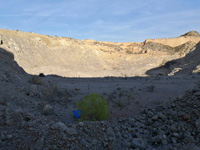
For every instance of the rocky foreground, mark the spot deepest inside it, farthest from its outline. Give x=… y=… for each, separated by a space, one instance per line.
x=170 y=126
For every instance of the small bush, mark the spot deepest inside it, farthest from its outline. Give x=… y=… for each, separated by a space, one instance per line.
x=94 y=107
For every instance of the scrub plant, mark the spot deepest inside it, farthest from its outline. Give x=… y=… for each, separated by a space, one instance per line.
x=94 y=107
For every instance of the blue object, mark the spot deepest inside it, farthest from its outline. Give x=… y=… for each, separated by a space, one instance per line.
x=77 y=113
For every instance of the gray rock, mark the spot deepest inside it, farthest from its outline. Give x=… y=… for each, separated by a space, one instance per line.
x=138 y=143
x=125 y=136
x=39 y=144
x=176 y=135
x=84 y=142
x=3 y=136
x=110 y=132
x=154 y=118
x=105 y=144
x=164 y=142
x=110 y=139
x=71 y=131
x=164 y=136
x=116 y=129
x=173 y=140
x=81 y=124
x=118 y=134
x=190 y=147
x=197 y=123
x=94 y=142
x=173 y=128
x=161 y=116
x=48 y=110
x=60 y=126
x=9 y=136
x=157 y=139
x=189 y=139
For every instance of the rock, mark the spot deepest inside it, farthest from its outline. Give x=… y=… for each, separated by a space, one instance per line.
x=105 y=144
x=39 y=144
x=2 y=136
x=176 y=135
x=81 y=124
x=94 y=142
x=1 y=114
x=189 y=139
x=173 y=128
x=118 y=134
x=157 y=139
x=186 y=117
x=42 y=104
x=173 y=140
x=9 y=122
x=164 y=137
x=197 y=123
x=190 y=147
x=71 y=131
x=154 y=118
x=84 y=142
x=60 y=126
x=164 y=142
x=3 y=102
x=116 y=129
x=110 y=132
x=48 y=110
x=138 y=143
x=125 y=136
x=161 y=116
x=9 y=136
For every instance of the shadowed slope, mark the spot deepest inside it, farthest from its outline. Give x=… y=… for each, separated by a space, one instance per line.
x=186 y=65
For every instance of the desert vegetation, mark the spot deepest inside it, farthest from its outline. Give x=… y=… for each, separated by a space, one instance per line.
x=94 y=107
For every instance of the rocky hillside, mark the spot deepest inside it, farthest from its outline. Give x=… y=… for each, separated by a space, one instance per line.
x=69 y=57
x=186 y=65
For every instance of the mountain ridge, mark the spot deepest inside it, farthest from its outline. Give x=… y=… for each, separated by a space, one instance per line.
x=89 y=58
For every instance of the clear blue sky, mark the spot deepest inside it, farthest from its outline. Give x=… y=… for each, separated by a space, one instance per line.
x=103 y=20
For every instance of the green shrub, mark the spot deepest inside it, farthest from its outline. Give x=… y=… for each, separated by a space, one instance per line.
x=94 y=107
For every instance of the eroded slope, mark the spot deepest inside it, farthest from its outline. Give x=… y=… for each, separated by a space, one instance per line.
x=69 y=57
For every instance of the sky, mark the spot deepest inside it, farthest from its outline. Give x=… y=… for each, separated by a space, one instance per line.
x=102 y=20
